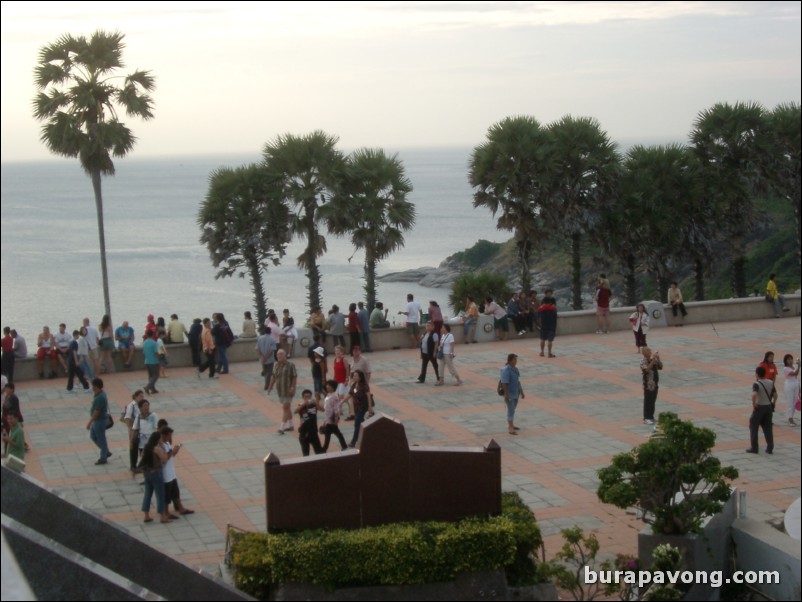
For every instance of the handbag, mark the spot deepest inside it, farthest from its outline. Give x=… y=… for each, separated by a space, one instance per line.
x=109 y=421
x=500 y=388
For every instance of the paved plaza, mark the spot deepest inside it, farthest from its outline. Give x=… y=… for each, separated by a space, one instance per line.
x=581 y=408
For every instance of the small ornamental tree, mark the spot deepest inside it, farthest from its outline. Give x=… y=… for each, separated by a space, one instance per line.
x=673 y=478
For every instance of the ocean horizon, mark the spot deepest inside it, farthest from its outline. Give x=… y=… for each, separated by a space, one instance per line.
x=51 y=263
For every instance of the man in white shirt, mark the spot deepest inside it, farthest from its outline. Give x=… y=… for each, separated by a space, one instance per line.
x=63 y=340
x=413 y=314
x=92 y=341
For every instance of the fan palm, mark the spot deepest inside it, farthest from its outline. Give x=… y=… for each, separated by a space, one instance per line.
x=373 y=209
x=79 y=101
x=307 y=171
x=245 y=226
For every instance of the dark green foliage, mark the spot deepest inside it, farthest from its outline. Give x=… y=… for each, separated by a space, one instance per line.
x=479 y=254
x=479 y=285
x=398 y=554
x=651 y=475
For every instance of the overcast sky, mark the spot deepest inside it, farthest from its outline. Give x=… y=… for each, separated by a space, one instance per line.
x=231 y=76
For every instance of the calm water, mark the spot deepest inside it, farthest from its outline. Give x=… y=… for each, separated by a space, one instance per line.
x=51 y=264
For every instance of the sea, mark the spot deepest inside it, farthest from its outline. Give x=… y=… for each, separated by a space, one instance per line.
x=51 y=263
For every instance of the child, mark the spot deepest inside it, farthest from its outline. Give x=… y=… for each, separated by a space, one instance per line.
x=331 y=412
x=307 y=433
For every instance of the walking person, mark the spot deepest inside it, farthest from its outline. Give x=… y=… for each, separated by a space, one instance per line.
x=207 y=346
x=194 y=338
x=307 y=432
x=791 y=371
x=361 y=401
x=428 y=344
x=640 y=325
x=331 y=413
x=447 y=347
x=764 y=396
x=153 y=460
x=650 y=365
x=98 y=420
x=511 y=383
x=602 y=298
x=74 y=365
x=150 y=349
x=266 y=349
x=85 y=360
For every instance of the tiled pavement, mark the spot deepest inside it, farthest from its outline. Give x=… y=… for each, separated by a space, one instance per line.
x=580 y=408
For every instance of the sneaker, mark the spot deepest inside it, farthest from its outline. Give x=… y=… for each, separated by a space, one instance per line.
x=751 y=451
x=648 y=421
x=786 y=309
x=87 y=389
x=598 y=332
x=99 y=462
x=70 y=390
x=281 y=431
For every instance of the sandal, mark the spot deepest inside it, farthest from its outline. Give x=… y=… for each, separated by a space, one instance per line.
x=148 y=520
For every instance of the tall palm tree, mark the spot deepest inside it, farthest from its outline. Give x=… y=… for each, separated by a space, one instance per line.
x=582 y=168
x=727 y=140
x=79 y=100
x=245 y=225
x=372 y=208
x=308 y=170
x=783 y=159
x=505 y=171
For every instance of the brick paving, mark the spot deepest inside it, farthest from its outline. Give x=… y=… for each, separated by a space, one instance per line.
x=581 y=408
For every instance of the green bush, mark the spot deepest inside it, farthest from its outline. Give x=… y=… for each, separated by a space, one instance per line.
x=397 y=554
x=479 y=285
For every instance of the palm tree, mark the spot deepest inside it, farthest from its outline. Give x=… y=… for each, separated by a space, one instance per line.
x=726 y=138
x=372 y=209
x=505 y=171
x=783 y=159
x=307 y=169
x=582 y=168
x=79 y=101
x=245 y=226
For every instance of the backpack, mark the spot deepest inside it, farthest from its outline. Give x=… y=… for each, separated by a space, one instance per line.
x=227 y=335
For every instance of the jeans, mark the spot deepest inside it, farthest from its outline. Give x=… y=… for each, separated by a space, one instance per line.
x=97 y=433
x=153 y=376
x=154 y=482
x=469 y=328
x=359 y=418
x=72 y=372
x=222 y=358
x=511 y=405
x=649 y=401
x=779 y=303
x=209 y=363
x=365 y=338
x=86 y=366
x=425 y=358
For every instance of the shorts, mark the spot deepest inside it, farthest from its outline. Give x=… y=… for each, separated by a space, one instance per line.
x=171 y=492
x=342 y=390
x=602 y=311
x=107 y=344
x=125 y=344
x=413 y=328
x=547 y=335
x=284 y=399
x=44 y=352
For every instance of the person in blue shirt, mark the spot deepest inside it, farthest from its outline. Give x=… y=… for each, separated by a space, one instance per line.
x=511 y=382
x=150 y=349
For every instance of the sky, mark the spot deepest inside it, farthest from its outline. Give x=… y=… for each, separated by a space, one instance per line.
x=232 y=76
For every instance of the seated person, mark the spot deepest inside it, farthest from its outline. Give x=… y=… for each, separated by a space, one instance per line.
x=248 y=327
x=63 y=340
x=46 y=348
x=378 y=317
x=124 y=335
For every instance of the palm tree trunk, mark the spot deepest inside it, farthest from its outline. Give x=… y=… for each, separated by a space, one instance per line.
x=699 y=275
x=662 y=286
x=95 y=175
x=370 y=281
x=630 y=283
x=524 y=253
x=738 y=274
x=312 y=269
x=576 y=267
x=259 y=297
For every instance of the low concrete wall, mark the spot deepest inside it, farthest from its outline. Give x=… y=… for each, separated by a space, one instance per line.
x=573 y=322
x=760 y=547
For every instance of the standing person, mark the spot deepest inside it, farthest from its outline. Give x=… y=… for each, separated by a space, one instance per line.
x=124 y=335
x=150 y=349
x=207 y=345
x=676 y=301
x=602 y=298
x=129 y=418
x=337 y=325
x=471 y=320
x=413 y=313
x=194 y=338
x=331 y=412
x=74 y=365
x=317 y=359
x=93 y=340
x=764 y=396
x=145 y=424
x=248 y=327
x=436 y=317
x=176 y=330
x=223 y=338
x=500 y=324
x=161 y=351
x=548 y=322
x=364 y=327
x=318 y=323
x=447 y=346
x=14 y=438
x=524 y=311
x=650 y=364
x=360 y=362
x=11 y=407
x=172 y=493
x=20 y=346
x=284 y=379
x=341 y=371
x=534 y=304
x=640 y=325
x=9 y=358
x=769 y=365
x=153 y=460
x=266 y=348
x=428 y=344
x=289 y=334
x=361 y=401
x=511 y=383
x=791 y=370
x=773 y=295
x=46 y=348
x=307 y=432
x=98 y=420
x=106 y=345
x=84 y=356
